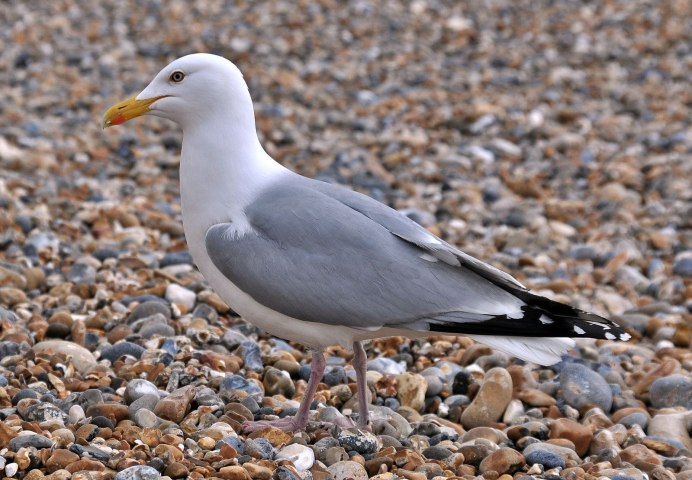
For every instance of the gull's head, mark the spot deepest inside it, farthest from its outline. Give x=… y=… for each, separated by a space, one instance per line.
x=192 y=88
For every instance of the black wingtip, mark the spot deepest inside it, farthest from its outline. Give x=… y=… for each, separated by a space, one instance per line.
x=541 y=317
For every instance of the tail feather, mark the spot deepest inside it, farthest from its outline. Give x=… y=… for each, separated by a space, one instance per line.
x=543 y=351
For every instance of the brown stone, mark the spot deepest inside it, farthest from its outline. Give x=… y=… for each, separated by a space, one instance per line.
x=61 y=458
x=213 y=300
x=176 y=405
x=85 y=464
x=34 y=277
x=258 y=472
x=504 y=460
x=234 y=472
x=11 y=296
x=61 y=474
x=664 y=448
x=114 y=411
x=490 y=402
x=176 y=470
x=411 y=389
x=206 y=443
x=10 y=278
x=580 y=435
x=409 y=475
x=408 y=459
x=118 y=332
x=536 y=398
x=86 y=433
x=34 y=474
x=623 y=412
x=641 y=457
x=275 y=436
x=6 y=434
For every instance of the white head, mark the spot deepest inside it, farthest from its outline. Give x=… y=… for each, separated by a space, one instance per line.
x=192 y=91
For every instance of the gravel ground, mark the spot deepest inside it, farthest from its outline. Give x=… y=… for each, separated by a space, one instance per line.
x=552 y=139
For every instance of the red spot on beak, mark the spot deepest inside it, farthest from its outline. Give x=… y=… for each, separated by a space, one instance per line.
x=119 y=119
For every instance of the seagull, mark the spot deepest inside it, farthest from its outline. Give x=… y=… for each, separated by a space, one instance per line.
x=319 y=264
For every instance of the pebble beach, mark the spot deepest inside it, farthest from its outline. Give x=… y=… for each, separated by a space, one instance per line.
x=550 y=139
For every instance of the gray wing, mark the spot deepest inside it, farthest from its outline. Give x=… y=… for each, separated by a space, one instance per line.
x=403 y=227
x=322 y=253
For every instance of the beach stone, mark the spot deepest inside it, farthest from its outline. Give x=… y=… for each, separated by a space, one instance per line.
x=641 y=457
x=81 y=273
x=504 y=460
x=138 y=472
x=581 y=387
x=62 y=437
x=302 y=457
x=156 y=329
x=411 y=389
x=179 y=295
x=145 y=402
x=145 y=418
x=75 y=414
x=258 y=472
x=675 y=426
x=437 y=453
x=251 y=356
x=578 y=434
x=176 y=470
x=114 y=352
x=671 y=391
x=536 y=398
x=60 y=458
x=149 y=308
x=11 y=296
x=176 y=258
x=234 y=472
x=278 y=382
x=85 y=464
x=348 y=470
x=683 y=265
x=113 y=410
x=361 y=442
x=386 y=366
x=82 y=358
x=259 y=448
x=137 y=388
x=490 y=401
x=30 y=440
x=545 y=458
x=333 y=455
x=567 y=454
x=384 y=418
x=175 y=406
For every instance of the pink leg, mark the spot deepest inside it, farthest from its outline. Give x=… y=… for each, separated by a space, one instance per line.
x=360 y=361
x=300 y=420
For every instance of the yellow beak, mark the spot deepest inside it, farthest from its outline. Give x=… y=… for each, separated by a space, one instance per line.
x=127 y=110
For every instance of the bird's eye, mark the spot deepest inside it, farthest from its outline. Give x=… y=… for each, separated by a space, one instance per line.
x=177 y=76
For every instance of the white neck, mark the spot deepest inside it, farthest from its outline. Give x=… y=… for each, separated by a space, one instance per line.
x=223 y=167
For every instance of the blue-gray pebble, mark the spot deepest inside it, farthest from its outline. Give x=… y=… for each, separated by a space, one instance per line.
x=580 y=386
x=116 y=351
x=545 y=458
x=671 y=391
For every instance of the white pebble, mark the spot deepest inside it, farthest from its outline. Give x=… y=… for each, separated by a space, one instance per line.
x=303 y=457
x=11 y=469
x=180 y=295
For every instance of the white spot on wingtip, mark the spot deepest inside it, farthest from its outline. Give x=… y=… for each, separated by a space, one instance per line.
x=578 y=330
x=625 y=337
x=610 y=336
x=545 y=320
